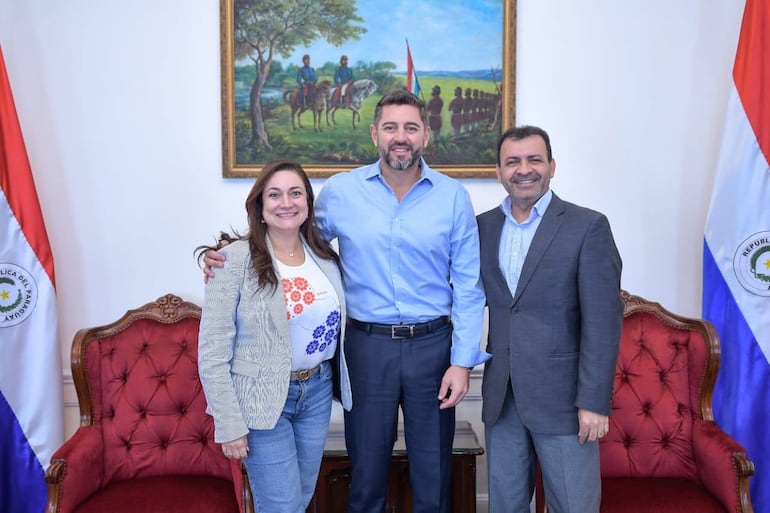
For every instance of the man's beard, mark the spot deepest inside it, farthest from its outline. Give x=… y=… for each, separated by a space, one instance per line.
x=401 y=164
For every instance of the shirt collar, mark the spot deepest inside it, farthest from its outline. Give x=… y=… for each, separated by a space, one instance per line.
x=375 y=171
x=538 y=209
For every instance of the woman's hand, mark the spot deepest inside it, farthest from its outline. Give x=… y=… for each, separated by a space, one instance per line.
x=238 y=448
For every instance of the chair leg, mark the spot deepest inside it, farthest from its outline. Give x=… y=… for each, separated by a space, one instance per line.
x=540 y=505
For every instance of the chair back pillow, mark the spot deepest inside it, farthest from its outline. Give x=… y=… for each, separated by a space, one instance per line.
x=655 y=401
x=148 y=400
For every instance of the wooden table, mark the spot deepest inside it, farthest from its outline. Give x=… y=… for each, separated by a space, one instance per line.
x=331 y=493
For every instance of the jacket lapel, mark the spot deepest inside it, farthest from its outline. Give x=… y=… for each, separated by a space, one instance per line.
x=544 y=235
x=331 y=271
x=276 y=302
x=494 y=255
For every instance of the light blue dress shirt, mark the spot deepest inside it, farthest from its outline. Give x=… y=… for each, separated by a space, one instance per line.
x=517 y=237
x=409 y=261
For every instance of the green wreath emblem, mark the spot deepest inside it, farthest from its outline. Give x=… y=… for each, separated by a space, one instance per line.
x=758 y=275
x=6 y=309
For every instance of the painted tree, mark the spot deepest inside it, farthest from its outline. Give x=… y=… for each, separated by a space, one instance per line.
x=266 y=28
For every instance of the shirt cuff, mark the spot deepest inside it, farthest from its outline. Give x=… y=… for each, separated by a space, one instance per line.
x=469 y=359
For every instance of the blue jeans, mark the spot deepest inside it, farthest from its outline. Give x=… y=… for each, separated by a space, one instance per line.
x=283 y=462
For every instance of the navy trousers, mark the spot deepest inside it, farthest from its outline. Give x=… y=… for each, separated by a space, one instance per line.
x=385 y=374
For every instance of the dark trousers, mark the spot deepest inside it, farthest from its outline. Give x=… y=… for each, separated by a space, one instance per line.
x=386 y=374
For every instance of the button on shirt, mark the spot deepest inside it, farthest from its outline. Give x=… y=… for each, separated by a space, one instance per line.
x=398 y=258
x=517 y=237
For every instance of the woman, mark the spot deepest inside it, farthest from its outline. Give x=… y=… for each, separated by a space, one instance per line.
x=271 y=323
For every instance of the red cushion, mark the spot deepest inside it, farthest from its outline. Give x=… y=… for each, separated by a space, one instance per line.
x=654 y=495
x=654 y=401
x=168 y=494
x=150 y=405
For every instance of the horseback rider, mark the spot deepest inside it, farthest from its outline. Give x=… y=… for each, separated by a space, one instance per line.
x=343 y=77
x=306 y=79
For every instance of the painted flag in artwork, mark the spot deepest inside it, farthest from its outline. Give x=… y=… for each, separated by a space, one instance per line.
x=412 y=84
x=31 y=401
x=736 y=255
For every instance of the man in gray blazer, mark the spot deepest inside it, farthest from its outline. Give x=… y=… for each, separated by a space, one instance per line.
x=551 y=272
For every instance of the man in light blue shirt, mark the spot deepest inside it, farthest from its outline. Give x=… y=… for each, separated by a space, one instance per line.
x=411 y=260
x=408 y=242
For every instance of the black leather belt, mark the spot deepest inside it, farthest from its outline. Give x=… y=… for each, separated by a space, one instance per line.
x=398 y=331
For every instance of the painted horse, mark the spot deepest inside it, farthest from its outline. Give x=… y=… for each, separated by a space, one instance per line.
x=316 y=102
x=355 y=95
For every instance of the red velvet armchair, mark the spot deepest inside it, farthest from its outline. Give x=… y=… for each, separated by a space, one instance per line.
x=663 y=452
x=145 y=443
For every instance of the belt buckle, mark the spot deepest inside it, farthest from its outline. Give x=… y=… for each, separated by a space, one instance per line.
x=303 y=374
x=401 y=331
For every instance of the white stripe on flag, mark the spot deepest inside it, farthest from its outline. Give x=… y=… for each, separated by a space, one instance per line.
x=739 y=215
x=412 y=84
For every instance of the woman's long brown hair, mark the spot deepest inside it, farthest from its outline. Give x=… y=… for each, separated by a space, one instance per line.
x=261 y=259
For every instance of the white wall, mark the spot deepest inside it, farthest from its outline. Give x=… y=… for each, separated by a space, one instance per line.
x=120 y=107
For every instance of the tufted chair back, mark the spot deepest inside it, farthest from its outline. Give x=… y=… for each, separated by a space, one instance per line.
x=145 y=443
x=663 y=452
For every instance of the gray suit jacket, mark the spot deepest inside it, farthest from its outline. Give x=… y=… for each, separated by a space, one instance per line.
x=557 y=337
x=244 y=350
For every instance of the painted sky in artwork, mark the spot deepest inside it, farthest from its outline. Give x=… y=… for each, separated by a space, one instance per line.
x=447 y=35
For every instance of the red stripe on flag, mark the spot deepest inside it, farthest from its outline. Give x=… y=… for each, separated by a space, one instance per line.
x=752 y=70
x=20 y=191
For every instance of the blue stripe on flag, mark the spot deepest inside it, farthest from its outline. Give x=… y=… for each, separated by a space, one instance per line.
x=415 y=84
x=22 y=482
x=741 y=398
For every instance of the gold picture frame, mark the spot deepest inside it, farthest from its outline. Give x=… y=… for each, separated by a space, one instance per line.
x=249 y=64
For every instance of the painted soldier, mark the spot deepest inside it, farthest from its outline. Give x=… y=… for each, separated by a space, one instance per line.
x=435 y=106
x=456 y=108
x=343 y=77
x=306 y=80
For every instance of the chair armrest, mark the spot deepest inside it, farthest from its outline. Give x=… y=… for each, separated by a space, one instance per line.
x=722 y=466
x=76 y=470
x=242 y=487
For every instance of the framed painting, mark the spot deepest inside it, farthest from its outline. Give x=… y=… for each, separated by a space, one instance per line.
x=301 y=80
